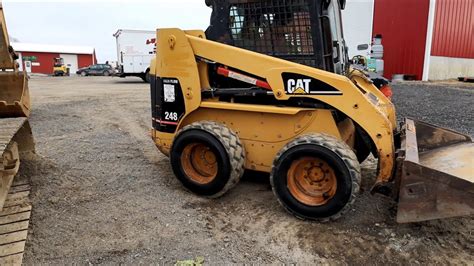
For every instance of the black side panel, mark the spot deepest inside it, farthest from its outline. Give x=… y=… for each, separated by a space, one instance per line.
x=167 y=104
x=154 y=98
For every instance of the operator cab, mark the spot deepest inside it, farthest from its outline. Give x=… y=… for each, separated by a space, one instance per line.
x=58 y=62
x=307 y=32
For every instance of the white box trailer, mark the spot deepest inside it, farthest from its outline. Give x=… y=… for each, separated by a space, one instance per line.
x=134 y=52
x=357 y=20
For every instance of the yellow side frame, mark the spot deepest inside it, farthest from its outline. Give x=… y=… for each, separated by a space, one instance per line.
x=176 y=57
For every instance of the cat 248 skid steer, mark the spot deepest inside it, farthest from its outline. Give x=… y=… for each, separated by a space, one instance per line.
x=218 y=110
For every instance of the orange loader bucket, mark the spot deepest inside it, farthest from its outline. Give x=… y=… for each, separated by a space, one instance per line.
x=437 y=173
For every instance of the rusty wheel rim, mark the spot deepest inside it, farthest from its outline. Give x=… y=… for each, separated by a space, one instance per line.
x=312 y=181
x=199 y=163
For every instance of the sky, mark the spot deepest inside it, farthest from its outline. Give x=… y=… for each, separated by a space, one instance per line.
x=92 y=23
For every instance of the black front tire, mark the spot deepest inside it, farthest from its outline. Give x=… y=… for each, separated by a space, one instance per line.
x=229 y=154
x=338 y=156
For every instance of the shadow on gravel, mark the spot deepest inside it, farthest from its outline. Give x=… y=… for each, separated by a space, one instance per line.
x=128 y=81
x=256 y=177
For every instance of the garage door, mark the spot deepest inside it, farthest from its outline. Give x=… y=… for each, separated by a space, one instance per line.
x=71 y=62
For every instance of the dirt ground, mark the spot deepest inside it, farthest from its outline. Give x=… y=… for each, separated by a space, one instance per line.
x=102 y=192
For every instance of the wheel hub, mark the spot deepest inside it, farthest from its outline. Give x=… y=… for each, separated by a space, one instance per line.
x=311 y=181
x=199 y=163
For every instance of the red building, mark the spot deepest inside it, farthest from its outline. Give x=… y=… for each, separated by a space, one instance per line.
x=39 y=58
x=427 y=39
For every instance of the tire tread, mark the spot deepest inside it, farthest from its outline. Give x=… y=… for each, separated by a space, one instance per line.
x=342 y=150
x=232 y=144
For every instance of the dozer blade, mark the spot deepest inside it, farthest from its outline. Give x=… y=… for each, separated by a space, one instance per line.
x=437 y=178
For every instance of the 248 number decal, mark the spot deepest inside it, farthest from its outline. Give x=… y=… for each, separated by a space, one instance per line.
x=173 y=116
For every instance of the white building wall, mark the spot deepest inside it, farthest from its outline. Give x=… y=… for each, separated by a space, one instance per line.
x=20 y=61
x=357 y=20
x=443 y=68
x=429 y=40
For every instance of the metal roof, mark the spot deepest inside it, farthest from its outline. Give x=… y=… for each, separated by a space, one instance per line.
x=47 y=48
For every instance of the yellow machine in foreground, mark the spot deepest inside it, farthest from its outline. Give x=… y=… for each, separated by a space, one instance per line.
x=15 y=131
x=219 y=110
x=16 y=143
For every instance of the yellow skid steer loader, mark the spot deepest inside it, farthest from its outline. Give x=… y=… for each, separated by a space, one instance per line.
x=218 y=110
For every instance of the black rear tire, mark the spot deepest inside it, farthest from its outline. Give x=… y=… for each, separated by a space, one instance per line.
x=338 y=155
x=228 y=153
x=146 y=77
x=106 y=73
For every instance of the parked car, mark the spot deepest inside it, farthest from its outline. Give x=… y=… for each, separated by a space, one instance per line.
x=96 y=70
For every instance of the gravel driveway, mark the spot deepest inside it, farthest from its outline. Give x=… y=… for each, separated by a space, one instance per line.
x=102 y=193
